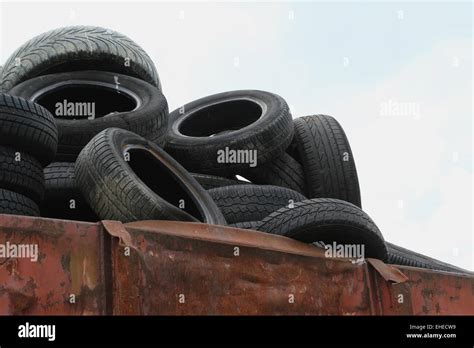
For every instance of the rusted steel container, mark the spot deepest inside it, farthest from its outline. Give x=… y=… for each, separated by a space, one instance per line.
x=177 y=268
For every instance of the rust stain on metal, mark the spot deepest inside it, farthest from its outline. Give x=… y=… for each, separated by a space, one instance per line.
x=68 y=264
x=192 y=269
x=425 y=292
x=440 y=293
x=164 y=267
x=83 y=270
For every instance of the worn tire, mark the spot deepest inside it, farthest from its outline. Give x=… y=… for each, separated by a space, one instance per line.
x=17 y=204
x=77 y=48
x=28 y=127
x=24 y=176
x=208 y=181
x=241 y=203
x=60 y=189
x=245 y=120
x=401 y=256
x=247 y=225
x=321 y=146
x=143 y=187
x=328 y=221
x=282 y=171
x=134 y=105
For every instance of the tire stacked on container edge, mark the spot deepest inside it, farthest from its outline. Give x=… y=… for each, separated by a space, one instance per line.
x=314 y=216
x=28 y=141
x=124 y=177
x=329 y=221
x=398 y=255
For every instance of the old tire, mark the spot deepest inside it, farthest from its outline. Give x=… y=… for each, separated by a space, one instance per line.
x=213 y=128
x=28 y=127
x=77 y=48
x=321 y=146
x=242 y=203
x=60 y=189
x=327 y=220
x=124 y=177
x=21 y=173
x=17 y=204
x=132 y=104
x=401 y=256
x=282 y=171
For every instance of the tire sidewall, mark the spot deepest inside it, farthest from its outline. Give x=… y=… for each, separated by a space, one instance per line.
x=270 y=104
x=123 y=140
x=151 y=104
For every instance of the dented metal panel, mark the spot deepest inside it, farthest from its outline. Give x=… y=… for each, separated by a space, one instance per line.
x=68 y=268
x=197 y=269
x=162 y=267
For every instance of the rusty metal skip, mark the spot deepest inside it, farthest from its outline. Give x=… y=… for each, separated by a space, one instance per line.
x=180 y=268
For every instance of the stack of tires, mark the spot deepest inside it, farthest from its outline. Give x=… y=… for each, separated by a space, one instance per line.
x=87 y=103
x=268 y=172
x=28 y=142
x=90 y=79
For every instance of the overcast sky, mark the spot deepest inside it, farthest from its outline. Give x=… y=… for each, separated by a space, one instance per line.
x=397 y=76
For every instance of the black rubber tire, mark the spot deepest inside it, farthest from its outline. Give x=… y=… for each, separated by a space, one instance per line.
x=327 y=220
x=401 y=256
x=28 y=127
x=78 y=48
x=60 y=190
x=322 y=147
x=231 y=120
x=17 y=204
x=24 y=176
x=208 y=181
x=247 y=225
x=241 y=203
x=141 y=188
x=282 y=171
x=149 y=119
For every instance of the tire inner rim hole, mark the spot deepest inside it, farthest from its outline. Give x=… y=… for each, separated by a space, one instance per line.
x=85 y=101
x=161 y=181
x=220 y=118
